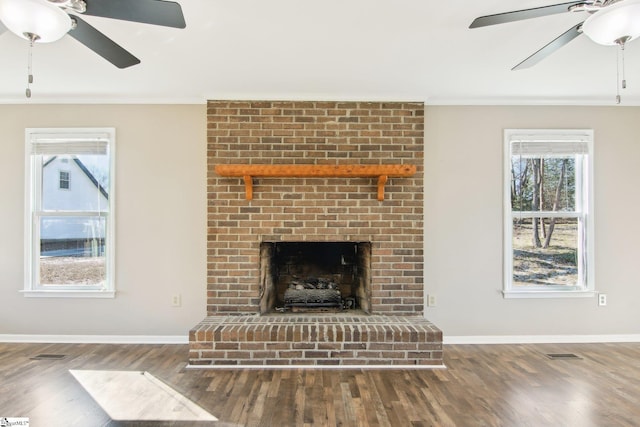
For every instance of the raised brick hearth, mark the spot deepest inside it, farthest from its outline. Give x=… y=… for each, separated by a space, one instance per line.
x=336 y=339
x=388 y=327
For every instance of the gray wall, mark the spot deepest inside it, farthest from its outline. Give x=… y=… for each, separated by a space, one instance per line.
x=161 y=213
x=161 y=220
x=463 y=222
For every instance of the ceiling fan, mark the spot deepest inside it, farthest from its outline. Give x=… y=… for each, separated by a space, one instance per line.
x=610 y=22
x=44 y=21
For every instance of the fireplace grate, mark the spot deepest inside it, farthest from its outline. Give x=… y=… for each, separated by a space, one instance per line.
x=312 y=298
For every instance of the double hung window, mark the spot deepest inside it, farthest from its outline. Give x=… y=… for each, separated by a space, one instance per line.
x=70 y=204
x=548 y=211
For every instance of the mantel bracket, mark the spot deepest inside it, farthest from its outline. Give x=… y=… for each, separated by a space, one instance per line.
x=248 y=187
x=382 y=180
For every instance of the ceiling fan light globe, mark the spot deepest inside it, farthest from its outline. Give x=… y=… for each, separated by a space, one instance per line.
x=610 y=25
x=24 y=17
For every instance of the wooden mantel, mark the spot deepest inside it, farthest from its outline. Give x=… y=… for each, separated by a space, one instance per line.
x=248 y=172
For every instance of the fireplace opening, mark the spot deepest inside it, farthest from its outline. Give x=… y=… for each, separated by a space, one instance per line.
x=315 y=276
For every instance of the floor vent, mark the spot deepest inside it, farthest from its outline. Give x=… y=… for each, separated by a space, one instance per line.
x=49 y=357
x=563 y=356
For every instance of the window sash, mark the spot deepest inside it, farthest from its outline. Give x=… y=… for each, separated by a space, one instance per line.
x=581 y=283
x=37 y=257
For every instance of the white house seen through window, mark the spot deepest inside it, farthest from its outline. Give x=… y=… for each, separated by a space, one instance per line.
x=548 y=213
x=70 y=232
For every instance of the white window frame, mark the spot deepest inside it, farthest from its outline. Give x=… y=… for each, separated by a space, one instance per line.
x=584 y=210
x=33 y=210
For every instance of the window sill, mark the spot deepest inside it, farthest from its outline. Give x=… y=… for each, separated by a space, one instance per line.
x=68 y=293
x=548 y=294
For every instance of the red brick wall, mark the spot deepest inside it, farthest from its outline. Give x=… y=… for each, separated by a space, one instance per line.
x=315 y=209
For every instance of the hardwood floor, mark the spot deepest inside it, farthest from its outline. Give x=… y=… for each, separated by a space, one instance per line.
x=483 y=385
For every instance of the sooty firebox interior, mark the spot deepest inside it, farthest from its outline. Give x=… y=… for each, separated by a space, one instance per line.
x=315 y=276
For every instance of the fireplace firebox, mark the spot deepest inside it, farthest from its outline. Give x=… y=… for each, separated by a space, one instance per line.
x=315 y=276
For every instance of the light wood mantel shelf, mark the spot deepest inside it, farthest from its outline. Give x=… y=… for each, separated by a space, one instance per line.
x=248 y=172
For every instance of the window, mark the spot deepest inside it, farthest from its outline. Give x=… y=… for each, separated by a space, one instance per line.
x=64 y=180
x=70 y=231
x=548 y=213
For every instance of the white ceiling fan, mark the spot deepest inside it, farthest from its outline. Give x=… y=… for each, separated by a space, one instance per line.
x=610 y=22
x=44 y=21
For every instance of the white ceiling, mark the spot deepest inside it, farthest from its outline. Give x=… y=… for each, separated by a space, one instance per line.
x=396 y=50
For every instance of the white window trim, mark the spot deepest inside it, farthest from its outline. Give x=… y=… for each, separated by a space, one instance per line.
x=586 y=135
x=30 y=268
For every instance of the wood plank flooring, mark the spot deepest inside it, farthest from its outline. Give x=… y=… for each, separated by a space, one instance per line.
x=483 y=385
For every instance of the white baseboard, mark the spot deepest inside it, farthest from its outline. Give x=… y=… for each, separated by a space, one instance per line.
x=184 y=339
x=95 y=339
x=540 y=339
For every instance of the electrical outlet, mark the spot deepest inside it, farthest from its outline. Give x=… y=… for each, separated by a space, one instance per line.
x=176 y=300
x=602 y=300
x=431 y=300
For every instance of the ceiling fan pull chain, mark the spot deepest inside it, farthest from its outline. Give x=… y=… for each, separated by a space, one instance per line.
x=617 y=76
x=29 y=73
x=624 y=78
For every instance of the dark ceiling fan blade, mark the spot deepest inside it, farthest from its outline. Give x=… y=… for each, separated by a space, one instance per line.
x=157 y=12
x=101 y=44
x=519 y=15
x=556 y=44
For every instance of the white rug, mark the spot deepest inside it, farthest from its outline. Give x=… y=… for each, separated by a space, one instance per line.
x=138 y=396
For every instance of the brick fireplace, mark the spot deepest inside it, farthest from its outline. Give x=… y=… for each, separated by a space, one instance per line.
x=383 y=322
